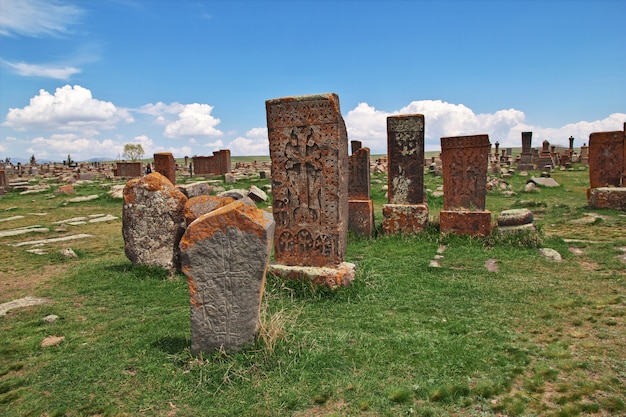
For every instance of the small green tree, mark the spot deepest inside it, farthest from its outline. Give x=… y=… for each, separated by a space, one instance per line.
x=133 y=151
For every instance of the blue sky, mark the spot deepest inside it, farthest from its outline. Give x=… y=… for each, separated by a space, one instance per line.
x=84 y=77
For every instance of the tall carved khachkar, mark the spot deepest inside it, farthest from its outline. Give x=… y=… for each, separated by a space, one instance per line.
x=465 y=160
x=607 y=169
x=406 y=211
x=309 y=153
x=360 y=205
x=525 y=163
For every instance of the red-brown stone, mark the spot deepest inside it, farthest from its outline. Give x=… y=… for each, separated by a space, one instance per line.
x=361 y=217
x=128 y=169
x=405 y=148
x=473 y=223
x=606 y=159
x=464 y=162
x=165 y=164
x=309 y=152
x=404 y=218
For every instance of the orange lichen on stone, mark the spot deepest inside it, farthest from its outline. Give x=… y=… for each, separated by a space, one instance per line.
x=234 y=215
x=404 y=218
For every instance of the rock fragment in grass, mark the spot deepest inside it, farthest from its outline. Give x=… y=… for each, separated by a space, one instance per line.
x=551 y=254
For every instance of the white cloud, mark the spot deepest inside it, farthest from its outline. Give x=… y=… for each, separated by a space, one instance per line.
x=161 y=108
x=195 y=120
x=255 y=142
x=32 y=70
x=441 y=119
x=69 y=109
x=37 y=17
x=58 y=146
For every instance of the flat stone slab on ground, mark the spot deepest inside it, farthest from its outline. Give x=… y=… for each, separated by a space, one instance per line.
x=342 y=275
x=83 y=198
x=23 y=231
x=52 y=240
x=543 y=181
x=12 y=218
x=22 y=302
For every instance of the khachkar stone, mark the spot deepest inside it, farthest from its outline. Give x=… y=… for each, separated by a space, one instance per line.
x=360 y=205
x=525 y=163
x=224 y=255
x=607 y=164
x=153 y=221
x=464 y=160
x=606 y=159
x=165 y=164
x=309 y=153
x=406 y=211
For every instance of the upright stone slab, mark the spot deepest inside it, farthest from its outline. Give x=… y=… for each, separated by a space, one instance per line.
x=153 y=221
x=309 y=153
x=606 y=159
x=4 y=180
x=224 y=256
x=360 y=206
x=165 y=164
x=465 y=160
x=525 y=163
x=128 y=169
x=406 y=211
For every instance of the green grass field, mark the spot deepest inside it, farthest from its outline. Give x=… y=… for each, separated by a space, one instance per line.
x=536 y=338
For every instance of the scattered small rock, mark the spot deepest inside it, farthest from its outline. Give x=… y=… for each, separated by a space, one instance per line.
x=551 y=254
x=69 y=253
x=52 y=341
x=51 y=318
x=492 y=265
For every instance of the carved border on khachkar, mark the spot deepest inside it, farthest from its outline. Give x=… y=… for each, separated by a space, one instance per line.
x=309 y=153
x=360 y=205
x=607 y=168
x=464 y=161
x=405 y=211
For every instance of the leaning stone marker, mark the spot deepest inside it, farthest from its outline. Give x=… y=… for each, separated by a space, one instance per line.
x=465 y=160
x=309 y=152
x=224 y=255
x=153 y=221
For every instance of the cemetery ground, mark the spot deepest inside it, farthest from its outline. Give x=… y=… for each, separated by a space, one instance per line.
x=534 y=337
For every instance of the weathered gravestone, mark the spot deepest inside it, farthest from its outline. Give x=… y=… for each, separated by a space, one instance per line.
x=525 y=162
x=152 y=221
x=165 y=164
x=224 y=255
x=309 y=153
x=197 y=206
x=465 y=161
x=406 y=211
x=607 y=167
x=4 y=180
x=128 y=169
x=360 y=205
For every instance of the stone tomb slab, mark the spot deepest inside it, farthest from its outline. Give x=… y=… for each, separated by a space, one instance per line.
x=309 y=153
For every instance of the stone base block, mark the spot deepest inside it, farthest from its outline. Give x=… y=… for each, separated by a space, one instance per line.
x=361 y=217
x=473 y=223
x=404 y=218
x=607 y=197
x=341 y=275
x=525 y=167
